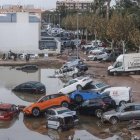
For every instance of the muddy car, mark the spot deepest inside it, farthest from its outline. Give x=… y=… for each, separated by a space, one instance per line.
x=60 y=122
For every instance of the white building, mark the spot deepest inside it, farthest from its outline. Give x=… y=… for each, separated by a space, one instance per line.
x=19 y=32
x=75 y=4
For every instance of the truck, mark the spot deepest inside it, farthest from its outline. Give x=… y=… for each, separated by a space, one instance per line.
x=125 y=63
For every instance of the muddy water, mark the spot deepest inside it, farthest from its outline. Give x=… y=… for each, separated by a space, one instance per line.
x=29 y=128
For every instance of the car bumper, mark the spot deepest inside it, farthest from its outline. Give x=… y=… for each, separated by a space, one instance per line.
x=27 y=112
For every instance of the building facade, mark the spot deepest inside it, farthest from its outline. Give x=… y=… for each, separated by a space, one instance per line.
x=19 y=32
x=84 y=5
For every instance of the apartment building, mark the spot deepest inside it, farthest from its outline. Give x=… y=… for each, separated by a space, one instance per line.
x=75 y=4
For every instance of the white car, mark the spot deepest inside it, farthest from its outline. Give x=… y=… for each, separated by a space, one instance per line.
x=72 y=63
x=67 y=72
x=96 y=50
x=61 y=111
x=75 y=84
x=97 y=56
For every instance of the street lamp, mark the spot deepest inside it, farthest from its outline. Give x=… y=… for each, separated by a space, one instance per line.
x=59 y=19
x=78 y=34
x=49 y=18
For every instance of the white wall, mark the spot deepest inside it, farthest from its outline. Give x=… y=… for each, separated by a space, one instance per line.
x=21 y=36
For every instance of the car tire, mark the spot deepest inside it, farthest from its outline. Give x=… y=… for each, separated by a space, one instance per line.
x=98 y=113
x=74 y=76
x=95 y=59
x=78 y=98
x=65 y=104
x=115 y=73
x=114 y=120
x=59 y=129
x=36 y=112
x=122 y=103
x=79 y=87
x=113 y=104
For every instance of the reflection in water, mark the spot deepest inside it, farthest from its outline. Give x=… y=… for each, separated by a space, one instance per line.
x=28 y=97
x=8 y=124
x=40 y=126
x=25 y=128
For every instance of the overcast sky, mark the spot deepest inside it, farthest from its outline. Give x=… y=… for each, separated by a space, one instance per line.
x=47 y=4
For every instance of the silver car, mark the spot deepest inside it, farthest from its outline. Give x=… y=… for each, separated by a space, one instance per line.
x=96 y=86
x=126 y=112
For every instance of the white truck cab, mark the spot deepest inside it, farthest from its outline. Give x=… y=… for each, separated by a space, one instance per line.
x=125 y=63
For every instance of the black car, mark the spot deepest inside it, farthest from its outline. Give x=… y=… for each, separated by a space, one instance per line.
x=97 y=106
x=27 y=67
x=82 y=67
x=31 y=87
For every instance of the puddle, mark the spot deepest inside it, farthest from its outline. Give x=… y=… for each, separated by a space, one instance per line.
x=24 y=128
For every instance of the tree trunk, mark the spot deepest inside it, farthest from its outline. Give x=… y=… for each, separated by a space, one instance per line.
x=123 y=44
x=112 y=47
x=108 y=9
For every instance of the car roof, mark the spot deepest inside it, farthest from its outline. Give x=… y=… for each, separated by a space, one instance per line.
x=58 y=108
x=129 y=104
x=117 y=88
x=5 y=106
x=31 y=82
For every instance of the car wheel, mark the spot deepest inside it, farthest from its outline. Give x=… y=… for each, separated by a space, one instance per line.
x=74 y=76
x=59 y=129
x=78 y=98
x=65 y=104
x=36 y=112
x=122 y=103
x=115 y=73
x=113 y=104
x=95 y=59
x=114 y=120
x=79 y=87
x=98 y=113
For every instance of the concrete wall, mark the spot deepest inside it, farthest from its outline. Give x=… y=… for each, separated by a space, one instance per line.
x=20 y=36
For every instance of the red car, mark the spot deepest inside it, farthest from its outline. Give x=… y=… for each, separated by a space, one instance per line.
x=8 y=111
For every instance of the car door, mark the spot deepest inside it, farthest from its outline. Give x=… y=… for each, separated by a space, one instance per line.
x=72 y=85
x=44 y=103
x=53 y=122
x=127 y=113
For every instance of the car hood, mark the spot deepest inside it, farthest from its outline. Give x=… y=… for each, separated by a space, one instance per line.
x=110 y=67
x=70 y=113
x=111 y=112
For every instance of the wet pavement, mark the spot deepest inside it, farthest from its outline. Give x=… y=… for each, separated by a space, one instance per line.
x=30 y=128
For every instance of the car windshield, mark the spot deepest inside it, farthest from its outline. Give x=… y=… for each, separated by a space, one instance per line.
x=63 y=111
x=100 y=85
x=119 y=109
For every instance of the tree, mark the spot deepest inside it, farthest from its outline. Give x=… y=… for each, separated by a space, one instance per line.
x=135 y=37
x=119 y=28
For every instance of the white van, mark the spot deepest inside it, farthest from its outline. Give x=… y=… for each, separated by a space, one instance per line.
x=120 y=95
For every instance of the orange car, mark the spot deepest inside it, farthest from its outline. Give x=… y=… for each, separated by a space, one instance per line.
x=45 y=102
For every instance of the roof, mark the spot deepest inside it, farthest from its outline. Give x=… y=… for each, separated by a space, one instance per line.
x=5 y=106
x=118 y=88
x=12 y=17
x=129 y=104
x=58 y=108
